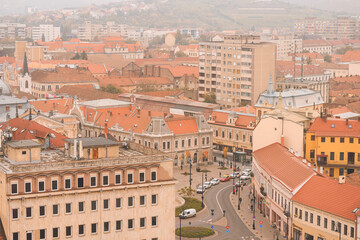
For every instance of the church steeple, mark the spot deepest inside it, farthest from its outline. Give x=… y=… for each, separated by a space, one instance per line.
x=25 y=68
x=270 y=89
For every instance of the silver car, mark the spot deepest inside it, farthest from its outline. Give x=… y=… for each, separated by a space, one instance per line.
x=200 y=189
x=215 y=181
x=207 y=185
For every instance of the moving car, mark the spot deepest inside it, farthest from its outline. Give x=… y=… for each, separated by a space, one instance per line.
x=225 y=178
x=188 y=213
x=207 y=185
x=200 y=189
x=235 y=175
x=245 y=177
x=215 y=181
x=239 y=183
x=246 y=172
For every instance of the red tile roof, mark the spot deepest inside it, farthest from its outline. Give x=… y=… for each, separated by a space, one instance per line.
x=179 y=71
x=23 y=129
x=242 y=121
x=184 y=125
x=61 y=105
x=322 y=127
x=10 y=60
x=283 y=166
x=118 y=81
x=351 y=56
x=339 y=110
x=329 y=196
x=315 y=42
x=161 y=93
x=166 y=61
x=287 y=67
x=63 y=75
x=84 y=92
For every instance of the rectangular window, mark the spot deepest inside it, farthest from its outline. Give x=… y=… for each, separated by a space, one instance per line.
x=42 y=211
x=332 y=139
x=68 y=208
x=81 y=229
x=93 y=228
x=118 y=203
x=189 y=142
x=28 y=212
x=105 y=180
x=42 y=233
x=164 y=145
x=106 y=226
x=130 y=201
x=322 y=139
x=142 y=222
x=55 y=209
x=142 y=177
x=332 y=155
x=67 y=183
x=342 y=140
x=29 y=235
x=118 y=225
x=81 y=207
x=318 y=220
x=351 y=140
x=332 y=225
x=306 y=216
x=325 y=222
x=153 y=176
x=312 y=137
x=142 y=200
x=153 y=221
x=130 y=223
x=300 y=214
x=93 y=181
x=296 y=211
x=55 y=232
x=54 y=185
x=182 y=143
x=311 y=218
x=68 y=231
x=93 y=205
x=345 y=230
x=28 y=187
x=15 y=236
x=341 y=155
x=41 y=187
x=154 y=199
x=80 y=182
x=14 y=188
x=352 y=232
x=106 y=204
x=130 y=178
x=15 y=213
x=117 y=179
x=312 y=153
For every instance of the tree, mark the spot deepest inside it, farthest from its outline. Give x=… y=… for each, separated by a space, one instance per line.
x=157 y=41
x=111 y=89
x=180 y=54
x=344 y=50
x=308 y=60
x=327 y=58
x=130 y=41
x=76 y=56
x=84 y=56
x=43 y=38
x=186 y=192
x=210 y=98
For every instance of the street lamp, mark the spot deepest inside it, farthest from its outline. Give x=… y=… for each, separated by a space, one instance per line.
x=202 y=189
x=287 y=214
x=196 y=157
x=234 y=170
x=190 y=175
x=240 y=200
x=254 y=209
x=180 y=227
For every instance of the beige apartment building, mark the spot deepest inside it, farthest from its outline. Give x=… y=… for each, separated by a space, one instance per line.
x=236 y=69
x=95 y=189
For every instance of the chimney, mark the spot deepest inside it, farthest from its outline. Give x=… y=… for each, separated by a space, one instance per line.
x=149 y=113
x=342 y=179
x=347 y=121
x=75 y=148
x=81 y=150
x=247 y=109
x=106 y=130
x=282 y=140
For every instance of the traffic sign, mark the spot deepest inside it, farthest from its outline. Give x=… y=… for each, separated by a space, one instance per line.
x=261 y=226
x=227 y=227
x=227 y=231
x=212 y=226
x=261 y=222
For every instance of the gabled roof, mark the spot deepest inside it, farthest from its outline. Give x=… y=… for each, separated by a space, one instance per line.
x=61 y=105
x=63 y=75
x=179 y=71
x=84 y=92
x=329 y=196
x=351 y=56
x=341 y=127
x=23 y=129
x=182 y=125
x=283 y=166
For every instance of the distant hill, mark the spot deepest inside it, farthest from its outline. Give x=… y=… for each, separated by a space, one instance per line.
x=350 y=6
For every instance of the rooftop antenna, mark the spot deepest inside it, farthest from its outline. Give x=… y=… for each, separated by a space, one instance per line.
x=30 y=117
x=17 y=111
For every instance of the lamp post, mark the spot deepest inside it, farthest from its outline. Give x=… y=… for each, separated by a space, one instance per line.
x=196 y=157
x=254 y=209
x=202 y=189
x=287 y=214
x=234 y=170
x=180 y=228
x=190 y=175
x=239 y=195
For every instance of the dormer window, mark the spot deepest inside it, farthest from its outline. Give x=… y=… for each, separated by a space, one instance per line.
x=332 y=125
x=350 y=126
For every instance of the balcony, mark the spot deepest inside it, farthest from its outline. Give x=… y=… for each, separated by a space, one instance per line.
x=321 y=160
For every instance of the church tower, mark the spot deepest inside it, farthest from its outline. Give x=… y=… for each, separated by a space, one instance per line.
x=25 y=78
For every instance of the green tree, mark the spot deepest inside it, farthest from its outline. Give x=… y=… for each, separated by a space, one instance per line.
x=186 y=192
x=76 y=56
x=180 y=54
x=210 y=98
x=157 y=41
x=327 y=58
x=130 y=41
x=84 y=56
x=344 y=50
x=308 y=60
x=111 y=89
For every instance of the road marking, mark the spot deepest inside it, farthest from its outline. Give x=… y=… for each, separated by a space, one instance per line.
x=221 y=210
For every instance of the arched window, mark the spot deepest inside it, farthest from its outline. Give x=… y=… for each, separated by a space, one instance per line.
x=26 y=84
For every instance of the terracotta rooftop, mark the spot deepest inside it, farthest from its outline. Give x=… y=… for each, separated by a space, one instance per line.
x=329 y=196
x=119 y=81
x=63 y=75
x=183 y=125
x=283 y=166
x=23 y=129
x=329 y=65
x=339 y=110
x=162 y=93
x=355 y=106
x=287 y=67
x=335 y=127
x=84 y=92
x=61 y=105
x=351 y=56
x=353 y=178
x=315 y=42
x=179 y=71
x=166 y=61
x=242 y=121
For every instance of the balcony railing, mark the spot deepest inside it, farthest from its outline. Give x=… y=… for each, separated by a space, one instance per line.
x=321 y=160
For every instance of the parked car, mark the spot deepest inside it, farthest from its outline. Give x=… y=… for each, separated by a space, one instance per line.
x=215 y=181
x=225 y=178
x=200 y=189
x=239 y=183
x=188 y=213
x=235 y=175
x=207 y=185
x=246 y=172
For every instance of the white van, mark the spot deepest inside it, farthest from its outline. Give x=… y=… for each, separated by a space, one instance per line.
x=188 y=213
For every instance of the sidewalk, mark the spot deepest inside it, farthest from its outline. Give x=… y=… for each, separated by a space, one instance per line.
x=266 y=232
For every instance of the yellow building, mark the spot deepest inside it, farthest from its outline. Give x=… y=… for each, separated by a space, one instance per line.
x=329 y=214
x=333 y=145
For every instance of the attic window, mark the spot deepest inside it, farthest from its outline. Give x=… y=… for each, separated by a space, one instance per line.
x=14 y=129
x=52 y=135
x=180 y=125
x=22 y=131
x=350 y=126
x=90 y=114
x=32 y=132
x=332 y=125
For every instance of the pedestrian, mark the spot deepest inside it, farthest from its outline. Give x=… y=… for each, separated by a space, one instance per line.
x=219 y=174
x=181 y=167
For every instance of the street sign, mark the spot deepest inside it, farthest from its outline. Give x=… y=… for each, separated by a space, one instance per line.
x=261 y=226
x=212 y=226
x=261 y=222
x=227 y=227
x=227 y=231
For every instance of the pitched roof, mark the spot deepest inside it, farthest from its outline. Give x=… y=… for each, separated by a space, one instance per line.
x=84 y=92
x=179 y=71
x=242 y=121
x=329 y=196
x=182 y=125
x=287 y=67
x=315 y=43
x=351 y=56
x=355 y=106
x=283 y=166
x=23 y=129
x=342 y=127
x=61 y=105
x=339 y=110
x=63 y=75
